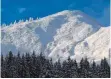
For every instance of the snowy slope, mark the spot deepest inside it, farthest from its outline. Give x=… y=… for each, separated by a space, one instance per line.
x=95 y=47
x=60 y=34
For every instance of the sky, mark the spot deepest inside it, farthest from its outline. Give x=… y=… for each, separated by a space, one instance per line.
x=12 y=10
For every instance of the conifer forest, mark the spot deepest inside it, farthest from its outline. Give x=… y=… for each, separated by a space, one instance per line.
x=37 y=66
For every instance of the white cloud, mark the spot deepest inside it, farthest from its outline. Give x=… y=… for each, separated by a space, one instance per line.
x=21 y=10
x=71 y=6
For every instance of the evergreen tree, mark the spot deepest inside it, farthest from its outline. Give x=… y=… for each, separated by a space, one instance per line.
x=81 y=70
x=35 y=70
x=67 y=68
x=23 y=67
x=84 y=66
x=105 y=69
x=74 y=70
x=3 y=71
x=98 y=71
x=10 y=67
x=28 y=65
x=93 y=69
x=32 y=66
x=57 y=70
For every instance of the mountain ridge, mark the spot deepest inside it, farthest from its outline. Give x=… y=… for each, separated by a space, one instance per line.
x=66 y=27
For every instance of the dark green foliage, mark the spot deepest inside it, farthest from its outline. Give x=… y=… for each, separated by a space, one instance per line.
x=104 y=68
x=32 y=66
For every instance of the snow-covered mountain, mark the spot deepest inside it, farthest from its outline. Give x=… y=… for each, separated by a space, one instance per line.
x=66 y=33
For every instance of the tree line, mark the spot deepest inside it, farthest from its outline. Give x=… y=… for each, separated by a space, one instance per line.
x=37 y=66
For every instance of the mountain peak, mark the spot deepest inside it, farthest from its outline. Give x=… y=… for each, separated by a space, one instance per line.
x=77 y=14
x=70 y=11
x=58 y=34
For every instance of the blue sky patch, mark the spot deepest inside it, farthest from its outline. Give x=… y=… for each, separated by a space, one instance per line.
x=23 y=9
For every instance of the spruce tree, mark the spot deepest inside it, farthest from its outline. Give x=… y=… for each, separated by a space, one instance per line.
x=23 y=67
x=105 y=69
x=33 y=63
x=32 y=66
x=18 y=65
x=28 y=65
x=74 y=70
x=3 y=70
x=57 y=70
x=10 y=67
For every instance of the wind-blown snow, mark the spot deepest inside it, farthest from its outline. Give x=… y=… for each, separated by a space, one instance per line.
x=63 y=34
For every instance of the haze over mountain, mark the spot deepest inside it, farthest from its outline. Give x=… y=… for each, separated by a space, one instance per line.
x=58 y=36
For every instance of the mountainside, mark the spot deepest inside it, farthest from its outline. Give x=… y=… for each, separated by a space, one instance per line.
x=67 y=33
x=95 y=47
